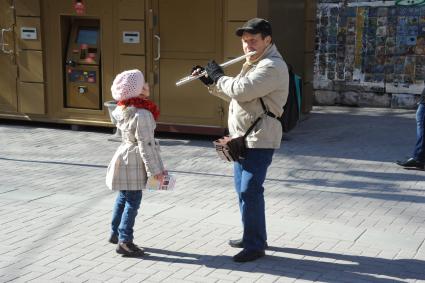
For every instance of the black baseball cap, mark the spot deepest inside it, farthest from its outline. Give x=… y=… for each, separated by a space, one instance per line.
x=254 y=26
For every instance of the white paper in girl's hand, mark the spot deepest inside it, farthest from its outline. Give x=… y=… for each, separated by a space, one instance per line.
x=167 y=183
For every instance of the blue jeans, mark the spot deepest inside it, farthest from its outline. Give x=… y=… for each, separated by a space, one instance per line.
x=419 y=152
x=124 y=214
x=249 y=176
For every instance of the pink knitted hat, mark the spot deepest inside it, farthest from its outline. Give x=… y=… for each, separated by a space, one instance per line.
x=127 y=84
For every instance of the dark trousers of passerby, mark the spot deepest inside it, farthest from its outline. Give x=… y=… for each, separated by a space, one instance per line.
x=419 y=152
x=249 y=176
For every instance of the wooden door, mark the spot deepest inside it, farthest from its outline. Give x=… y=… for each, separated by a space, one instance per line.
x=8 y=68
x=185 y=33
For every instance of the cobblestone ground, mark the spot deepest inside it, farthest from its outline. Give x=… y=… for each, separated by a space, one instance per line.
x=338 y=208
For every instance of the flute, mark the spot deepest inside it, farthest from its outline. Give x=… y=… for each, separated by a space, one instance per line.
x=190 y=78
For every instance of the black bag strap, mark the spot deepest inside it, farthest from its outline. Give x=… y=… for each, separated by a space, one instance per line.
x=252 y=127
x=268 y=113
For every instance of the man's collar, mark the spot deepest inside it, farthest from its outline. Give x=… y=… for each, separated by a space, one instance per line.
x=266 y=50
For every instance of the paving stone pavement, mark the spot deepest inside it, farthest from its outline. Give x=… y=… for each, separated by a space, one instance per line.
x=338 y=208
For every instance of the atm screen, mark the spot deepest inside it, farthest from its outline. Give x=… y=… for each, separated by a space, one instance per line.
x=87 y=36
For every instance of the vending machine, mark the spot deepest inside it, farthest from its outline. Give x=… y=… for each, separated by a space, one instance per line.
x=83 y=66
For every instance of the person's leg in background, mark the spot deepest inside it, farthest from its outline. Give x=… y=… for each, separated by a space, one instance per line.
x=418 y=158
x=419 y=152
x=237 y=177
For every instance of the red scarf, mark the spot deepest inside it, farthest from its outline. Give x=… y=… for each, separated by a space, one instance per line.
x=139 y=102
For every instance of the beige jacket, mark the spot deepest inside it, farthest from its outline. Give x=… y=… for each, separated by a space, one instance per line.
x=267 y=78
x=138 y=155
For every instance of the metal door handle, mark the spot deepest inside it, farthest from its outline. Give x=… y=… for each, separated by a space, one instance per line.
x=3 y=49
x=158 y=48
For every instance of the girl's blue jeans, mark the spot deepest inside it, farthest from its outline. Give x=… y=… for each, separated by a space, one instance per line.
x=124 y=214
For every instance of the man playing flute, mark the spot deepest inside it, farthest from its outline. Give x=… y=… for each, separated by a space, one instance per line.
x=260 y=90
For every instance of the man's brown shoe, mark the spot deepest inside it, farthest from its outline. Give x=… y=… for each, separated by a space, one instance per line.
x=129 y=249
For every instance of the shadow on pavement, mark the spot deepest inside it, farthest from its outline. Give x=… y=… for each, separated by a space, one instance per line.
x=332 y=267
x=372 y=190
x=54 y=162
x=383 y=136
x=413 y=169
x=354 y=179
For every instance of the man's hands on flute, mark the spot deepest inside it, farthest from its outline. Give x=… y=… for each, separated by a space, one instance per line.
x=205 y=79
x=214 y=72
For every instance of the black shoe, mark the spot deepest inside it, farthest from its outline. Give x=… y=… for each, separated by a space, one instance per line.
x=239 y=244
x=113 y=239
x=236 y=243
x=245 y=256
x=411 y=162
x=129 y=249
